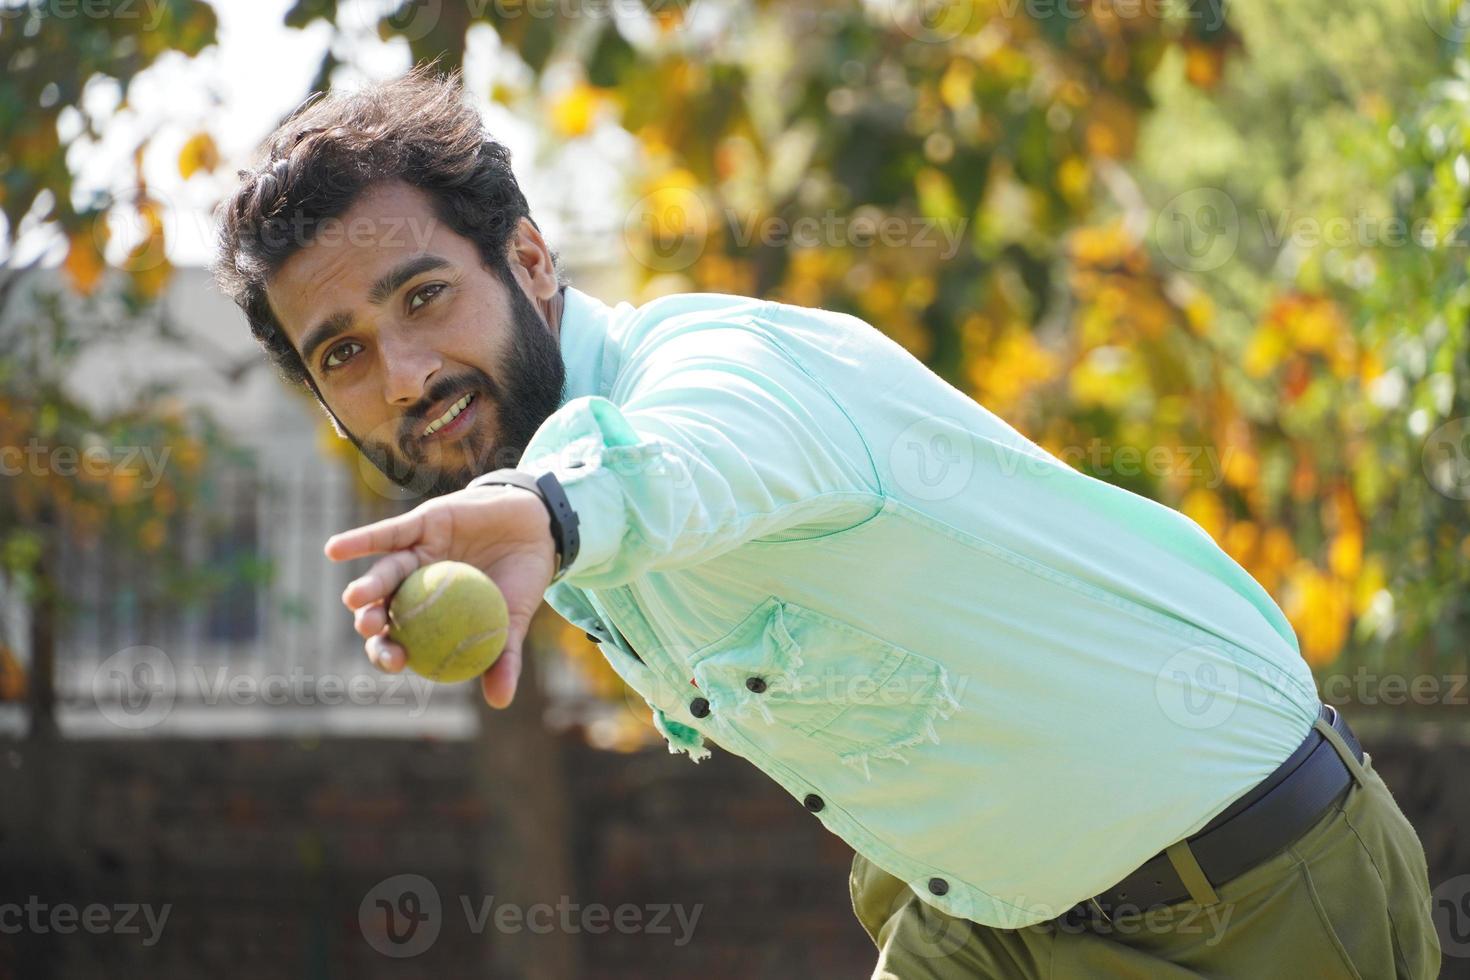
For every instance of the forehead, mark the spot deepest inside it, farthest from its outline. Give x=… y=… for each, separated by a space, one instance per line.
x=387 y=224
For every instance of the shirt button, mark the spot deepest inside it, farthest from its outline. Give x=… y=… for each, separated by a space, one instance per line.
x=756 y=684
x=813 y=802
x=699 y=707
x=594 y=638
x=576 y=466
x=938 y=886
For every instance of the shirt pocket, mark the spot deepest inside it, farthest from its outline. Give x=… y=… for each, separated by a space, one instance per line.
x=788 y=673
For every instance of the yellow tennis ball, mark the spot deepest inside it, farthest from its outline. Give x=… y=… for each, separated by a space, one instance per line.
x=450 y=619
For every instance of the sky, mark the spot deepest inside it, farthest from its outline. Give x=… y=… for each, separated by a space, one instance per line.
x=239 y=89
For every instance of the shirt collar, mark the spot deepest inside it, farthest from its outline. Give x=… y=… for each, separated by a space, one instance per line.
x=583 y=334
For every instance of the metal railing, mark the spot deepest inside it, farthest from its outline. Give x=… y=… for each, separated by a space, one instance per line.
x=263 y=647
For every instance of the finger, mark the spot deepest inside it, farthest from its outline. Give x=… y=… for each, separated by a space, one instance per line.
x=380 y=581
x=385 y=654
x=499 y=682
x=391 y=534
x=370 y=619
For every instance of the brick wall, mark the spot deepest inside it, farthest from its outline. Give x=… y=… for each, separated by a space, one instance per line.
x=266 y=849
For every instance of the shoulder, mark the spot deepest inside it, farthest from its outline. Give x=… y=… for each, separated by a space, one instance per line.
x=741 y=330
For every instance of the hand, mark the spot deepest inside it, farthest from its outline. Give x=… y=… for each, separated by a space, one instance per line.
x=504 y=531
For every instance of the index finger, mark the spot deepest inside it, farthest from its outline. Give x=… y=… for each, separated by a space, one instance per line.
x=391 y=534
x=380 y=581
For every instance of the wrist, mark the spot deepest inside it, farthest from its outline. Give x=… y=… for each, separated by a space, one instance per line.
x=561 y=517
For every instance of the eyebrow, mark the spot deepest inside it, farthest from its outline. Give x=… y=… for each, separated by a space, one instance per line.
x=389 y=283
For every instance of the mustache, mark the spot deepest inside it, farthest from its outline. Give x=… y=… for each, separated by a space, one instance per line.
x=445 y=389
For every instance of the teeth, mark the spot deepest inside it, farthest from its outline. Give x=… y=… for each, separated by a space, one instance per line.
x=448 y=416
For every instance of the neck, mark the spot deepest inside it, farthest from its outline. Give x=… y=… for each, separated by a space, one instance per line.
x=553 y=310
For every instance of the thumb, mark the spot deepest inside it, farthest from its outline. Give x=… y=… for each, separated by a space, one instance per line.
x=499 y=682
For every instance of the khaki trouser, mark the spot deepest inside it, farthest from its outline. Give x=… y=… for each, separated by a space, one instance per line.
x=1349 y=898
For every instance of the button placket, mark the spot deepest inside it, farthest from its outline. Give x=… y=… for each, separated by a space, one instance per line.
x=669 y=700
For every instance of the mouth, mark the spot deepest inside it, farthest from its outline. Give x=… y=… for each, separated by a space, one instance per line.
x=454 y=421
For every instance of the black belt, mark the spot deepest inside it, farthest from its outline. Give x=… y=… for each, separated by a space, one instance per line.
x=1264 y=821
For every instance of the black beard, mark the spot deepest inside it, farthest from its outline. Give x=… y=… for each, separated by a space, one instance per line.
x=535 y=377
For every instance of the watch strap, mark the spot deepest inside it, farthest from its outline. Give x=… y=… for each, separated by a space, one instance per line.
x=564 y=520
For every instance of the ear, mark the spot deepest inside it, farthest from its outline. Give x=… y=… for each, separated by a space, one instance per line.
x=531 y=261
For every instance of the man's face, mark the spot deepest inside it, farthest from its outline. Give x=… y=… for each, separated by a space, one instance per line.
x=398 y=321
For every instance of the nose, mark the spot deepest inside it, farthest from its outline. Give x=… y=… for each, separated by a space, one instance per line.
x=408 y=366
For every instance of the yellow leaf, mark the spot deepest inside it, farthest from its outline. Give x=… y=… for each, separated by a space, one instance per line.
x=1018 y=363
x=1102 y=245
x=1345 y=556
x=1204 y=64
x=1319 y=610
x=1111 y=128
x=1277 y=549
x=1109 y=377
x=1204 y=508
x=199 y=153
x=1199 y=312
x=572 y=113
x=1074 y=179
x=956 y=87
x=1370 y=582
x=936 y=194
x=1240 y=542
x=1264 y=352
x=1242 y=467
x=84 y=262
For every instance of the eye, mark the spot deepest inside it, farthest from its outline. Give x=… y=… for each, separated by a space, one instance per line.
x=330 y=361
x=425 y=293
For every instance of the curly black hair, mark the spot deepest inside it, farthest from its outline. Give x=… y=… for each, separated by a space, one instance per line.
x=417 y=128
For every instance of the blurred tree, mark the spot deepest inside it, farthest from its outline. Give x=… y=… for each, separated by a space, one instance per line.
x=62 y=461
x=1332 y=157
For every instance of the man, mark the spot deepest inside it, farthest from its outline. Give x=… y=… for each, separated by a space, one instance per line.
x=1064 y=733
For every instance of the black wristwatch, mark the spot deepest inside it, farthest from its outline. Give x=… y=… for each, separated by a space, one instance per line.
x=563 y=518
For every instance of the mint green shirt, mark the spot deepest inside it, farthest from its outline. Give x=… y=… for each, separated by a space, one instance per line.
x=997 y=678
